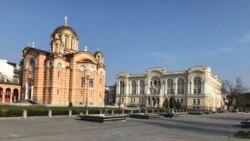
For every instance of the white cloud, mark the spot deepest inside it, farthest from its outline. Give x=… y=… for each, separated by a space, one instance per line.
x=245 y=38
x=224 y=49
x=216 y=51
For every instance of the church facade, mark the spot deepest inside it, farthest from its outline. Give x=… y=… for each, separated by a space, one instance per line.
x=63 y=75
x=195 y=88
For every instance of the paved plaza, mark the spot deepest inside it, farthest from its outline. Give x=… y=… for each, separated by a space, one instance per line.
x=218 y=127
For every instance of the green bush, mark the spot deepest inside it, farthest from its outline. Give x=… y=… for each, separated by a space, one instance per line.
x=32 y=112
x=242 y=134
x=15 y=113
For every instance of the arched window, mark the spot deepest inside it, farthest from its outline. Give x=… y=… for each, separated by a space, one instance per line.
x=197 y=85
x=32 y=64
x=122 y=87
x=72 y=42
x=1 y=92
x=198 y=101
x=141 y=87
x=91 y=83
x=133 y=87
x=180 y=86
x=194 y=101
x=155 y=85
x=66 y=41
x=170 y=86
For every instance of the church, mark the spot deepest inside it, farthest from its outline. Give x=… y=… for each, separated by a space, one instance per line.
x=63 y=75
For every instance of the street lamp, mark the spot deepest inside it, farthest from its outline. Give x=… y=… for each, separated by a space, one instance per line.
x=86 y=90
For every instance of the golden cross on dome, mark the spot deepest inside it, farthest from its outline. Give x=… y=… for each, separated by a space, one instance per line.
x=65 y=21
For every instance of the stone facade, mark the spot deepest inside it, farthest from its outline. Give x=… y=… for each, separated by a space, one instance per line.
x=63 y=75
x=195 y=88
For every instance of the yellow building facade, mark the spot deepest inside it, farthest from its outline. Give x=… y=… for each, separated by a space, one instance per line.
x=63 y=75
x=195 y=88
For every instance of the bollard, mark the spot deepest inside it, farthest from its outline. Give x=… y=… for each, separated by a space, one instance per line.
x=70 y=113
x=49 y=113
x=122 y=111
x=131 y=111
x=113 y=112
x=87 y=112
x=146 y=111
x=24 y=113
x=100 y=111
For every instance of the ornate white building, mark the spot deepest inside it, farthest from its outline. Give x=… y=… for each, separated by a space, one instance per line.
x=195 y=88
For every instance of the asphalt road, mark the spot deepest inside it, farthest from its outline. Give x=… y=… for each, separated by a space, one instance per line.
x=217 y=127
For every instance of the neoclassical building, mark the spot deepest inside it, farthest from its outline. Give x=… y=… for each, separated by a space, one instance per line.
x=195 y=88
x=63 y=74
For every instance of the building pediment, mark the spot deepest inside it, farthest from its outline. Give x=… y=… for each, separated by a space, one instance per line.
x=158 y=71
x=86 y=60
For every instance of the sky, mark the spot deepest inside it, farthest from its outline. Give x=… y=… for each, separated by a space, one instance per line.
x=135 y=35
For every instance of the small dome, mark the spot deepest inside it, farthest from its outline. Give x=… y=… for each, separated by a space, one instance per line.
x=64 y=30
x=98 y=52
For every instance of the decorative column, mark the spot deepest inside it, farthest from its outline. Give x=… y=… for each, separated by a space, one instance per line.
x=138 y=87
x=175 y=88
x=146 y=88
x=205 y=87
x=11 y=95
x=127 y=87
x=202 y=87
x=3 y=96
x=26 y=90
x=191 y=88
x=185 y=87
x=32 y=90
x=118 y=88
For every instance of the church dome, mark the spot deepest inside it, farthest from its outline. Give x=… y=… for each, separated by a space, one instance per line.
x=64 y=30
x=98 y=52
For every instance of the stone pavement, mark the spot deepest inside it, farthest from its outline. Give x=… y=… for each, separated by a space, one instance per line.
x=218 y=127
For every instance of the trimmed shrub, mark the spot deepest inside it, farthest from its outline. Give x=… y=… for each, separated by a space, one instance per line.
x=242 y=134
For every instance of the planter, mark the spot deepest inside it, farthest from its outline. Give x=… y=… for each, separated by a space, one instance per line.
x=102 y=118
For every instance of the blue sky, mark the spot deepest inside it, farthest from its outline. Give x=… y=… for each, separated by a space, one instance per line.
x=137 y=34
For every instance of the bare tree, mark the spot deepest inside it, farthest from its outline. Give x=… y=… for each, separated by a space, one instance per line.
x=232 y=92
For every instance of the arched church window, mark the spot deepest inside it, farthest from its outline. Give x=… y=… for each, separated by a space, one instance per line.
x=91 y=83
x=72 y=42
x=66 y=41
x=32 y=64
